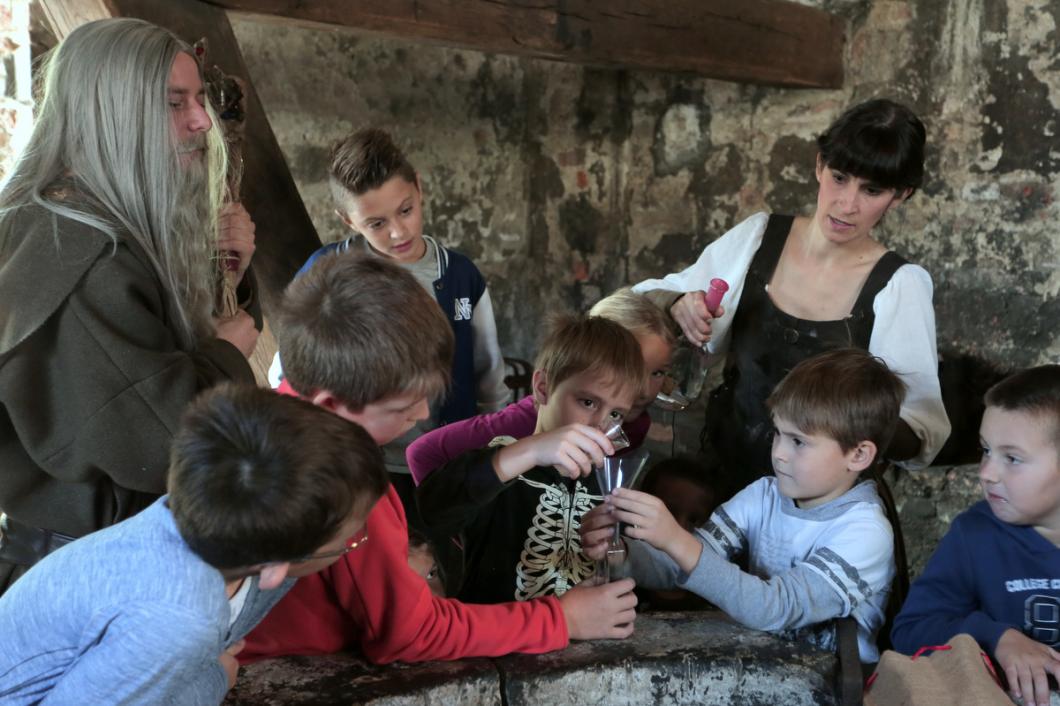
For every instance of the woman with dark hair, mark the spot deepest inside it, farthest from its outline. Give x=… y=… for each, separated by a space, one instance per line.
x=806 y=284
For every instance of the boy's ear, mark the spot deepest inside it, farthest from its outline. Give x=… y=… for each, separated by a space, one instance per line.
x=862 y=456
x=325 y=400
x=539 y=385
x=272 y=575
x=344 y=217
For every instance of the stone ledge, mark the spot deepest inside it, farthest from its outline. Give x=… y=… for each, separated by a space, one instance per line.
x=343 y=679
x=673 y=658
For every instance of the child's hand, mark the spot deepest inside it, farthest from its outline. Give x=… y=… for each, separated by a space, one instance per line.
x=229 y=662
x=572 y=450
x=648 y=519
x=691 y=314
x=595 y=612
x=1027 y=664
x=596 y=531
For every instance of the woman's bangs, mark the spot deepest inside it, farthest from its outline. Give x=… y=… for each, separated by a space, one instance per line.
x=870 y=156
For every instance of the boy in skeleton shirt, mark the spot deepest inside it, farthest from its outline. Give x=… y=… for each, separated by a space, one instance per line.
x=517 y=505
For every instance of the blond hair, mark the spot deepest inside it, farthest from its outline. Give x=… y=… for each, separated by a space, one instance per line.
x=636 y=313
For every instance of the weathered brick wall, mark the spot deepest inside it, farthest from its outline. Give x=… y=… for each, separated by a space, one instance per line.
x=927 y=501
x=564 y=182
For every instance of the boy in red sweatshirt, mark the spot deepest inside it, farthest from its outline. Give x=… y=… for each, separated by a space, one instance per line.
x=360 y=338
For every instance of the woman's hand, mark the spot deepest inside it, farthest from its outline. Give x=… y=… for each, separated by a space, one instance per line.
x=691 y=314
x=236 y=235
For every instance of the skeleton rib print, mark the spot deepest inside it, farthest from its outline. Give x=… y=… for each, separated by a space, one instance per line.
x=552 y=561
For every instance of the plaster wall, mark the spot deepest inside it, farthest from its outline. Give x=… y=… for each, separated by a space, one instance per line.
x=564 y=182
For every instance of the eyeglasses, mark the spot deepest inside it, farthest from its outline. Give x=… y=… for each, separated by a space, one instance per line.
x=352 y=544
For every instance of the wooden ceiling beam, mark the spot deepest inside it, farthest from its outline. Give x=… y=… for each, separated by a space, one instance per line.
x=772 y=42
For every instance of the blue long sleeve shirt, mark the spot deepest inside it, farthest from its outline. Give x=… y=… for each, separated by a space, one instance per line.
x=127 y=615
x=985 y=577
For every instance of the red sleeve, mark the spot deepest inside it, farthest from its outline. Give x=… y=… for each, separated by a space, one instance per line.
x=371 y=599
x=440 y=446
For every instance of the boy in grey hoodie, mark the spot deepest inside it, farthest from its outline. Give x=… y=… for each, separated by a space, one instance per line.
x=818 y=543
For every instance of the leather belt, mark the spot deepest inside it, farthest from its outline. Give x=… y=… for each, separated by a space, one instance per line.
x=25 y=545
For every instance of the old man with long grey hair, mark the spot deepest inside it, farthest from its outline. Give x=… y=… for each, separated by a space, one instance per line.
x=110 y=227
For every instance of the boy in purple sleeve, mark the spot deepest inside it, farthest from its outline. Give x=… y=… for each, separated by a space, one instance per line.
x=632 y=311
x=996 y=573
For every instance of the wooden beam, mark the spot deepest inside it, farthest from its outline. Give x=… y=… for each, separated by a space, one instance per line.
x=772 y=42
x=63 y=17
x=285 y=234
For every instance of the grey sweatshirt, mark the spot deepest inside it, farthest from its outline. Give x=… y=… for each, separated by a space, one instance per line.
x=806 y=567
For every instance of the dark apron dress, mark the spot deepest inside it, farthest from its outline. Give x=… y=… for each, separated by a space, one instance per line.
x=766 y=344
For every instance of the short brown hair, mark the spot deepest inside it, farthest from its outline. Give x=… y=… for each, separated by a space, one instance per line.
x=592 y=344
x=636 y=313
x=257 y=477
x=363 y=329
x=1032 y=391
x=363 y=161
x=846 y=394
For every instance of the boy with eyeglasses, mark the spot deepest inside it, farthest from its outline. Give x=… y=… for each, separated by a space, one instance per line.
x=263 y=489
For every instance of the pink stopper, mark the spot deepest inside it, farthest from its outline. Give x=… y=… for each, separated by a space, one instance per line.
x=717 y=290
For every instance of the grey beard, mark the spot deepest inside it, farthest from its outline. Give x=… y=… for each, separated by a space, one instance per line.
x=192 y=247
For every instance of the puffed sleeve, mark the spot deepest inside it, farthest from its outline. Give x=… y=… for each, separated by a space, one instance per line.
x=729 y=257
x=904 y=337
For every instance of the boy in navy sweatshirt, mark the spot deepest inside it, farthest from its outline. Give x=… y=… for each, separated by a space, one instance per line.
x=996 y=573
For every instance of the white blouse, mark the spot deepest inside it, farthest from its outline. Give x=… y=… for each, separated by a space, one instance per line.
x=903 y=334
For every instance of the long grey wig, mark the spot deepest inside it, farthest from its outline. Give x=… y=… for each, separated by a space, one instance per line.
x=103 y=119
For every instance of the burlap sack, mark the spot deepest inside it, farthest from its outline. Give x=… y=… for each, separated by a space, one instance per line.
x=961 y=676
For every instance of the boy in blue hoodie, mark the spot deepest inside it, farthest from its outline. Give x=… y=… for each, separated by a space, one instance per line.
x=996 y=573
x=377 y=194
